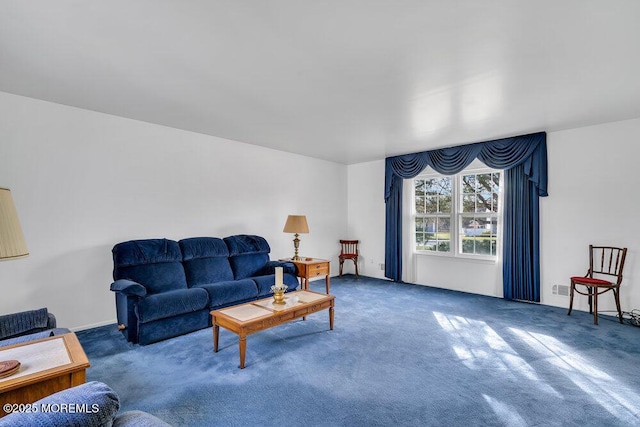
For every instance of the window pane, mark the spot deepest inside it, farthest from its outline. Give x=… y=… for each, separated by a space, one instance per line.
x=445 y=204
x=419 y=204
x=495 y=177
x=419 y=225
x=431 y=186
x=438 y=186
x=445 y=186
x=469 y=203
x=444 y=228
x=478 y=235
x=431 y=204
x=444 y=246
x=468 y=183
x=484 y=202
x=429 y=225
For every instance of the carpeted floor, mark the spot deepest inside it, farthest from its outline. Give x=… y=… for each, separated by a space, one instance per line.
x=399 y=355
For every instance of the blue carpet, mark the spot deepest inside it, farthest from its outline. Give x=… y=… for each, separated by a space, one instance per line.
x=399 y=355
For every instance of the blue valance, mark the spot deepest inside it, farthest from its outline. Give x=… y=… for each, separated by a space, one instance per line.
x=503 y=153
x=526 y=153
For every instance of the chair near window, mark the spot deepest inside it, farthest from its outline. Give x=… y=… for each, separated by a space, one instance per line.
x=605 y=262
x=348 y=250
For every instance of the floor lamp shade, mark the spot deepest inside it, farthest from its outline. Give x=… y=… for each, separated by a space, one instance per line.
x=12 y=244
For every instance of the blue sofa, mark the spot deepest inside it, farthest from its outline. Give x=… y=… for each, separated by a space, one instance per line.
x=166 y=288
x=93 y=404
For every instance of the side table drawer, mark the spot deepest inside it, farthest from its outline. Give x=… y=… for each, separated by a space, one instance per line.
x=319 y=270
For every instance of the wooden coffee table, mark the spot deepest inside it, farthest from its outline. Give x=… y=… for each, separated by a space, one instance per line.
x=47 y=366
x=252 y=317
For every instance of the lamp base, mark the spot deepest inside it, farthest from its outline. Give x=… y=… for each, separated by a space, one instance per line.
x=296 y=245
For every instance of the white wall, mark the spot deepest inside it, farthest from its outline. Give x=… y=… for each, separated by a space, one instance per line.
x=366 y=216
x=592 y=178
x=83 y=181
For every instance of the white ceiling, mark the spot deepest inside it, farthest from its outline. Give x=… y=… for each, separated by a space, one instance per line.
x=343 y=80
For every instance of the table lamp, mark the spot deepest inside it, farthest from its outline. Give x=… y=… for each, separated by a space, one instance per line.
x=12 y=246
x=296 y=224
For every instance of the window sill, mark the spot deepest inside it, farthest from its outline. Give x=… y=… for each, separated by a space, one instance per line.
x=459 y=257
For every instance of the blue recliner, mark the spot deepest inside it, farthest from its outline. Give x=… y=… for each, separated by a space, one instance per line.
x=153 y=301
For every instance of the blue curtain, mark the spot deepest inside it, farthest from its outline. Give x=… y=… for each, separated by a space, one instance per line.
x=524 y=159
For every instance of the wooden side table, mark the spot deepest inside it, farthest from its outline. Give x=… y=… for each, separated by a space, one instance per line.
x=48 y=365
x=312 y=267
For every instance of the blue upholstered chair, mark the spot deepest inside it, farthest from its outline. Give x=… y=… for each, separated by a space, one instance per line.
x=26 y=326
x=93 y=404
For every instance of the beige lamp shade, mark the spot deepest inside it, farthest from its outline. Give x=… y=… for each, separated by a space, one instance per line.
x=12 y=244
x=296 y=224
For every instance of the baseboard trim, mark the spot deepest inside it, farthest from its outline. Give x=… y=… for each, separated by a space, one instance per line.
x=94 y=325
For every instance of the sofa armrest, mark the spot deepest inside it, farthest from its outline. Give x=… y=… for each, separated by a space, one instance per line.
x=287 y=267
x=129 y=287
x=51 y=321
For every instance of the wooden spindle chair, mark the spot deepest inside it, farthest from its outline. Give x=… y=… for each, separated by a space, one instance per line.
x=348 y=250
x=605 y=262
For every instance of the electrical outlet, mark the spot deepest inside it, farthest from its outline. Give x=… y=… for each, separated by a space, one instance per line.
x=381 y=266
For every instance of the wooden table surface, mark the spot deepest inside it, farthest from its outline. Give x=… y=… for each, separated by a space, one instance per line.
x=47 y=366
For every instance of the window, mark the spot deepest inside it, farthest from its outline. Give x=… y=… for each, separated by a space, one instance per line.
x=458 y=214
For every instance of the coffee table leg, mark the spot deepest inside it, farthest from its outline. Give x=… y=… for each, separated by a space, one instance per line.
x=242 y=343
x=331 y=318
x=327 y=284
x=216 y=335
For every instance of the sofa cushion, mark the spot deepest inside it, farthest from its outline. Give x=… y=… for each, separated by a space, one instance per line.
x=246 y=244
x=154 y=263
x=230 y=292
x=91 y=404
x=171 y=303
x=248 y=255
x=265 y=282
x=205 y=260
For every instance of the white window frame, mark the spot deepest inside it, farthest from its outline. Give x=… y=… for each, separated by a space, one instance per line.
x=456 y=215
